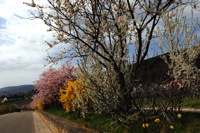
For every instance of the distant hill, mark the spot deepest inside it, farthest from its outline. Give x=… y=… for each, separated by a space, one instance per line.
x=15 y=89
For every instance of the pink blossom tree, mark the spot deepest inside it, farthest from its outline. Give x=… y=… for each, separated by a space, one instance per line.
x=50 y=82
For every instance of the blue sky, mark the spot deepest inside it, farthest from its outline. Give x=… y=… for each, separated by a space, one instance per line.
x=2 y=23
x=22 y=43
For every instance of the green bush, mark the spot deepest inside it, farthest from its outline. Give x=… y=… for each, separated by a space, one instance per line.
x=8 y=108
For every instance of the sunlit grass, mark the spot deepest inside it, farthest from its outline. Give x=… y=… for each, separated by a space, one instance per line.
x=192 y=103
x=188 y=123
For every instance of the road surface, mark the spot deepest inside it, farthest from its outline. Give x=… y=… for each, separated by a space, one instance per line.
x=21 y=122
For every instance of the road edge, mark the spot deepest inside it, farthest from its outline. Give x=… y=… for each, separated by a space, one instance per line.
x=61 y=125
x=40 y=124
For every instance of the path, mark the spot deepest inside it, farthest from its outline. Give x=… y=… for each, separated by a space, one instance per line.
x=22 y=122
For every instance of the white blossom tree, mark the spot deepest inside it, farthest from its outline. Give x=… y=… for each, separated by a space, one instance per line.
x=111 y=39
x=181 y=40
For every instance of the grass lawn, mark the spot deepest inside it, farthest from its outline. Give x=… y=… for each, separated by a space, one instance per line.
x=192 y=103
x=189 y=123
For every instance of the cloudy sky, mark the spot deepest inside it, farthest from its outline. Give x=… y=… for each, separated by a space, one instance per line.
x=22 y=44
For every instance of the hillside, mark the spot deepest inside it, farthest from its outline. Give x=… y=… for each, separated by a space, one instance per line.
x=15 y=89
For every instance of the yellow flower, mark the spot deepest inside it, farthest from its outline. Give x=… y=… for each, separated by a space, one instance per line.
x=157 y=120
x=179 y=115
x=171 y=127
x=145 y=125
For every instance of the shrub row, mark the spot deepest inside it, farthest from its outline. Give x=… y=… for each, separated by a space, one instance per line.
x=9 y=108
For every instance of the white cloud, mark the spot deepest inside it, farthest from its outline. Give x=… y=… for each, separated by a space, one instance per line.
x=22 y=44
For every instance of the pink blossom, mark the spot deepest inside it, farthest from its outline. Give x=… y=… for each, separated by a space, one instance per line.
x=51 y=81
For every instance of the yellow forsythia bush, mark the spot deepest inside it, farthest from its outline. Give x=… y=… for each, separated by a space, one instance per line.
x=39 y=105
x=74 y=97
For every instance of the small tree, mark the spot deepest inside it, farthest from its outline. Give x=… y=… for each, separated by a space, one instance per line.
x=179 y=38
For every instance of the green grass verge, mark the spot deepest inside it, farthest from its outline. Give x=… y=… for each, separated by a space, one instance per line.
x=192 y=103
x=189 y=123
x=94 y=121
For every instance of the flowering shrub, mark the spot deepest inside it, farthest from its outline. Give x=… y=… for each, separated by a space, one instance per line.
x=157 y=120
x=171 y=127
x=39 y=105
x=25 y=107
x=49 y=84
x=179 y=116
x=145 y=125
x=74 y=97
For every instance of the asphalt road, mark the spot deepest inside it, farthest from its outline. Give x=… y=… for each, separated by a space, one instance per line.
x=19 y=122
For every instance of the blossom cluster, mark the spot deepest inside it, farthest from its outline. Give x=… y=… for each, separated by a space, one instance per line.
x=49 y=84
x=75 y=96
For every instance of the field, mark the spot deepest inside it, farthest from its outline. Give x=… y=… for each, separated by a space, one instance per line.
x=19 y=103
